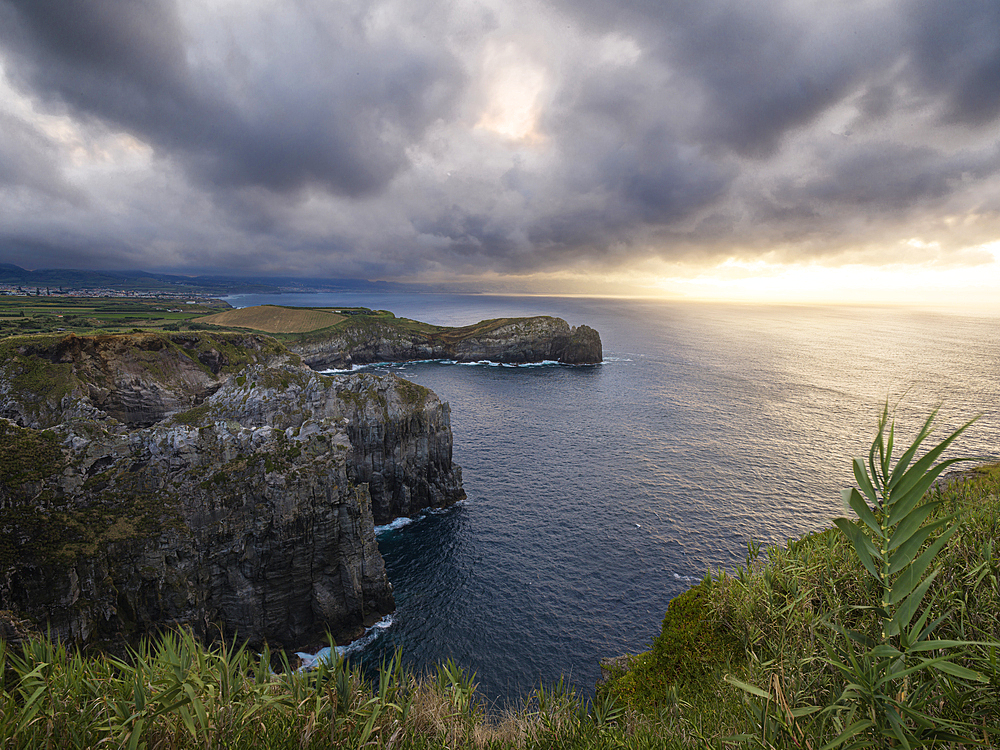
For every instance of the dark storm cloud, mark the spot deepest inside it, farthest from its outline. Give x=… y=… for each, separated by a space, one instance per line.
x=761 y=68
x=956 y=53
x=62 y=249
x=889 y=178
x=325 y=109
x=350 y=137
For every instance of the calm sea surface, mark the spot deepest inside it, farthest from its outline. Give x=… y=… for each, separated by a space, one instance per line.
x=598 y=493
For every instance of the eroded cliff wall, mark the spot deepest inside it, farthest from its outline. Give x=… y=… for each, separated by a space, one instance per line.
x=212 y=481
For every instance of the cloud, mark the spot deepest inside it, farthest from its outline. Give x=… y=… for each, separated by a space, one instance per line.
x=956 y=56
x=281 y=101
x=396 y=139
x=29 y=161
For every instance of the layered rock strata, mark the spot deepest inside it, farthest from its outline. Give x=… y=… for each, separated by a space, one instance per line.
x=212 y=481
x=507 y=340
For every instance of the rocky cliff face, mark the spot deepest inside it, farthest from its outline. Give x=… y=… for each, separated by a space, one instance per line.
x=509 y=340
x=212 y=481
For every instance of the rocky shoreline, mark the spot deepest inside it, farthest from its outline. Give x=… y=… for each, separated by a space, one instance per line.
x=364 y=340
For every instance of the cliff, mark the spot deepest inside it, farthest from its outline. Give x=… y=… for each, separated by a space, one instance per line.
x=207 y=480
x=364 y=339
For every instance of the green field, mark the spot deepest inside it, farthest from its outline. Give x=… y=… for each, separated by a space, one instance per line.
x=32 y=315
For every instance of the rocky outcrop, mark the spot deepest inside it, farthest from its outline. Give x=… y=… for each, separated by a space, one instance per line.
x=401 y=445
x=239 y=501
x=363 y=340
x=136 y=379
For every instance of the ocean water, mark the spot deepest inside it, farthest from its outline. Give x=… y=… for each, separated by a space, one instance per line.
x=597 y=493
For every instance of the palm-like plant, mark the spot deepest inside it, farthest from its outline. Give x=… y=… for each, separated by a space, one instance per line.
x=892 y=678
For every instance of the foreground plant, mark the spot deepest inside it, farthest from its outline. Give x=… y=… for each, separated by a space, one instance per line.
x=900 y=681
x=893 y=677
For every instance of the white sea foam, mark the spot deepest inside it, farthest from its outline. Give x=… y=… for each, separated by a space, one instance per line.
x=491 y=363
x=311 y=661
x=678 y=577
x=403 y=521
x=445 y=509
x=479 y=363
x=397 y=523
x=346 y=371
x=543 y=363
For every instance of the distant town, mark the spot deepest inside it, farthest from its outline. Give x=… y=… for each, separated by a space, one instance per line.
x=42 y=291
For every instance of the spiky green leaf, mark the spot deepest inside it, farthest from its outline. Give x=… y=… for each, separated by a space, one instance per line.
x=924 y=632
x=862 y=545
x=849 y=732
x=961 y=672
x=934 y=645
x=909 y=479
x=746 y=687
x=908 y=607
x=910 y=452
x=904 y=501
x=910 y=576
x=908 y=550
x=910 y=524
x=864 y=481
x=885 y=650
x=857 y=503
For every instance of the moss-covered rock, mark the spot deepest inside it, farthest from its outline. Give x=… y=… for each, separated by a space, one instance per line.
x=686 y=660
x=27 y=455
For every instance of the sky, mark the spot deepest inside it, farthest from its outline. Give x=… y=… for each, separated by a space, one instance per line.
x=775 y=149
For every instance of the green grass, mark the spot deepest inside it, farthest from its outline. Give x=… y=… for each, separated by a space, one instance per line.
x=27 y=455
x=178 y=693
x=363 y=324
x=22 y=316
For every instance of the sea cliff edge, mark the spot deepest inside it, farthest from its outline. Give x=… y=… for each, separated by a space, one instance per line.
x=212 y=481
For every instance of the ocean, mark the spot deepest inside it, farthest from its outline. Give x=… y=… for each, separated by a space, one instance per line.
x=598 y=493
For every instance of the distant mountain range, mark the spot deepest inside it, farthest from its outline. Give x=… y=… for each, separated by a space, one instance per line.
x=68 y=280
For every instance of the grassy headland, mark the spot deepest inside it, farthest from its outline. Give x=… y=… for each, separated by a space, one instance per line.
x=276 y=319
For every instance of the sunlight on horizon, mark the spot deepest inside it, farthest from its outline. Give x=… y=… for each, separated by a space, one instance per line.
x=974 y=287
x=959 y=287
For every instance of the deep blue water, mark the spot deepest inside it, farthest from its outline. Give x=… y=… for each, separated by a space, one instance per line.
x=598 y=493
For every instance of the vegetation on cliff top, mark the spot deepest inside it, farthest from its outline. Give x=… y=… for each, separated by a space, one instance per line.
x=307 y=325
x=812 y=649
x=47 y=367
x=276 y=319
x=85 y=315
x=353 y=327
